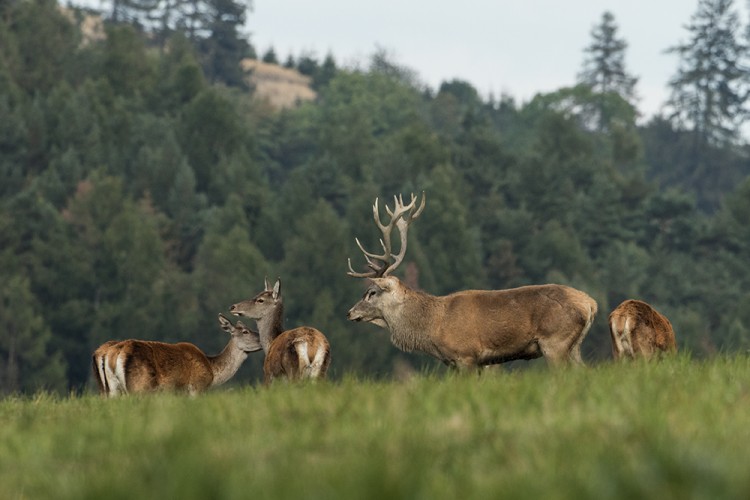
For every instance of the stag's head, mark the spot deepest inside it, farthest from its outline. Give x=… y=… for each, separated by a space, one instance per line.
x=264 y=305
x=385 y=293
x=245 y=339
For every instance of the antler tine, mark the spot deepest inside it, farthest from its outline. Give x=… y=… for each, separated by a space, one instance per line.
x=403 y=228
x=376 y=215
x=400 y=216
x=370 y=254
x=353 y=273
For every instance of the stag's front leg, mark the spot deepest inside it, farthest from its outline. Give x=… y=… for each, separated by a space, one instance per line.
x=464 y=366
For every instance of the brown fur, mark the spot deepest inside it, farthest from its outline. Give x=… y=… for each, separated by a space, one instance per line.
x=136 y=366
x=475 y=328
x=283 y=358
x=99 y=360
x=639 y=330
x=472 y=328
x=301 y=353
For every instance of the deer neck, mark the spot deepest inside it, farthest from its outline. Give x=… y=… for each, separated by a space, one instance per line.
x=411 y=324
x=270 y=327
x=226 y=363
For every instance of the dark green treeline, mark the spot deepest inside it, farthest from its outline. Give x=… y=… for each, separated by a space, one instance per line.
x=139 y=198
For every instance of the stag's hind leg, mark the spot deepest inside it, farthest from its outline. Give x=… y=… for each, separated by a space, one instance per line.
x=561 y=351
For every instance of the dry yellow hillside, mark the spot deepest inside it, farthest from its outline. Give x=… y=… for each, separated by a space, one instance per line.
x=281 y=87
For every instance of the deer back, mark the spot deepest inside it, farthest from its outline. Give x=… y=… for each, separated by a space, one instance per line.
x=146 y=366
x=301 y=353
x=485 y=327
x=639 y=330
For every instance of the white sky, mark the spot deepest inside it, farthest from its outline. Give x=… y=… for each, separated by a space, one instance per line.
x=517 y=47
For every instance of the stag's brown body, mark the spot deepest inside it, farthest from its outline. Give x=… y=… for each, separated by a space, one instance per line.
x=136 y=366
x=297 y=354
x=471 y=328
x=639 y=330
x=474 y=328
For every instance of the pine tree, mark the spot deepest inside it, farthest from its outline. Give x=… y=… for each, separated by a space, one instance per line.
x=709 y=89
x=225 y=46
x=604 y=68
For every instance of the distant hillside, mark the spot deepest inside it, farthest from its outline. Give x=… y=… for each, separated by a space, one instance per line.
x=281 y=87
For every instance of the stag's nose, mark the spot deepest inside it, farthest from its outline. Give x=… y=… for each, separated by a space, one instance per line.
x=353 y=316
x=233 y=309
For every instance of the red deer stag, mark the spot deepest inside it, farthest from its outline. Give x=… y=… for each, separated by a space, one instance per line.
x=134 y=366
x=301 y=353
x=639 y=330
x=471 y=328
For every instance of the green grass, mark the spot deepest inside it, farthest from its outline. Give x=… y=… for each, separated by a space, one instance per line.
x=675 y=429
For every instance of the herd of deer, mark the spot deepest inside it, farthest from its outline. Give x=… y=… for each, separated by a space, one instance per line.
x=465 y=330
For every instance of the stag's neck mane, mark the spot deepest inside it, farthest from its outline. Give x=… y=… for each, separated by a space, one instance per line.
x=227 y=362
x=270 y=327
x=411 y=327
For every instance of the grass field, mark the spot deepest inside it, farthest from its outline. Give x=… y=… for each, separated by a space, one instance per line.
x=676 y=429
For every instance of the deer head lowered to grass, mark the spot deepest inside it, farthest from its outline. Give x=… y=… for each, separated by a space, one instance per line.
x=133 y=366
x=471 y=328
x=300 y=353
x=639 y=330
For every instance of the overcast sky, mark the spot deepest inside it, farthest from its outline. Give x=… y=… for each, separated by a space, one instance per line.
x=517 y=47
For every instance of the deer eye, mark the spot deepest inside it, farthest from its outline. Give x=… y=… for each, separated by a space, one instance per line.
x=259 y=301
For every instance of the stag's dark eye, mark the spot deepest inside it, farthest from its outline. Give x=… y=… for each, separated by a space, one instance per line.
x=259 y=301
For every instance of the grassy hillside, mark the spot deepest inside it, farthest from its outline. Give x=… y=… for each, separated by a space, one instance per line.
x=677 y=429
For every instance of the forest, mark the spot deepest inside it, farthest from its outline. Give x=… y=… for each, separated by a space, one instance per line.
x=144 y=188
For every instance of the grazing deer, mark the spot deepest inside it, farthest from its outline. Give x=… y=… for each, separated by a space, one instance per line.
x=639 y=330
x=133 y=366
x=472 y=328
x=301 y=353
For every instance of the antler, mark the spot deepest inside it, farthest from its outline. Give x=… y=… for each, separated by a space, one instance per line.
x=401 y=216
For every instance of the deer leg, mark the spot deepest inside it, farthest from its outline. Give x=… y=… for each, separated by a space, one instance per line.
x=317 y=363
x=626 y=340
x=574 y=354
x=303 y=359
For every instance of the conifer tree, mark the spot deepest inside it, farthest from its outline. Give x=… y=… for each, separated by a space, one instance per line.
x=604 y=67
x=604 y=72
x=709 y=89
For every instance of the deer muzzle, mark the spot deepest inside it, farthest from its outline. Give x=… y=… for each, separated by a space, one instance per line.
x=354 y=314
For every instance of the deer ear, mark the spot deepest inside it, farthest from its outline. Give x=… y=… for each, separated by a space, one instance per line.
x=225 y=323
x=277 y=289
x=266 y=284
x=382 y=283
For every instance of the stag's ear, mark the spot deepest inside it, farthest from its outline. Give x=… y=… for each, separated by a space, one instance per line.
x=266 y=284
x=382 y=283
x=277 y=289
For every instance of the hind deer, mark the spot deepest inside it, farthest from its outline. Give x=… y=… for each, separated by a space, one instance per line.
x=471 y=328
x=301 y=353
x=136 y=366
x=639 y=330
